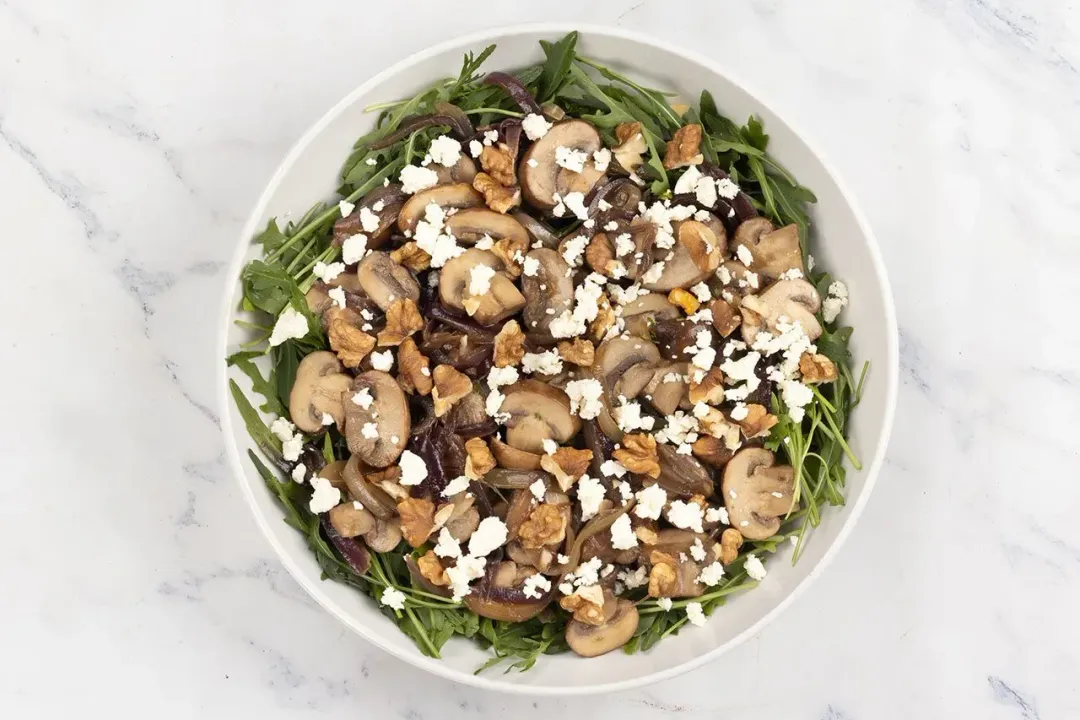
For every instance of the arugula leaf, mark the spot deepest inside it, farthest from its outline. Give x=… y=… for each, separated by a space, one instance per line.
x=560 y=55
x=267 y=287
x=264 y=387
x=256 y=428
x=271 y=238
x=287 y=358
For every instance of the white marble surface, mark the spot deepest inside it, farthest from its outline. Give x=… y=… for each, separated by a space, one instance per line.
x=134 y=138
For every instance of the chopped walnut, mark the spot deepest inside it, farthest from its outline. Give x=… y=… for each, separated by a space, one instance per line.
x=710 y=390
x=725 y=317
x=758 y=421
x=402 y=320
x=586 y=603
x=450 y=386
x=816 y=368
x=498 y=197
x=350 y=343
x=693 y=237
x=600 y=255
x=567 y=465
x=479 y=461
x=685 y=300
x=546 y=525
x=714 y=423
x=605 y=319
x=432 y=570
x=579 y=351
x=411 y=256
x=730 y=542
x=414 y=374
x=646 y=535
x=711 y=451
x=684 y=148
x=631 y=146
x=498 y=162
x=512 y=254
x=417 y=520
x=509 y=345
x=638 y=454
x=662 y=576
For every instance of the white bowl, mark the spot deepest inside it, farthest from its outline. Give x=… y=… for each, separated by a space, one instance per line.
x=843 y=244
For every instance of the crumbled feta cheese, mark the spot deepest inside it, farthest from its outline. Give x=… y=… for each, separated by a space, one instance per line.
x=727 y=189
x=711 y=575
x=697 y=550
x=489 y=535
x=480 y=279
x=466 y=570
x=587 y=573
x=626 y=493
x=445 y=150
x=796 y=397
x=414 y=179
x=754 y=568
x=382 y=360
x=653 y=274
x=744 y=255
x=633 y=578
x=532 y=162
x=601 y=159
x=363 y=398
x=354 y=248
x=545 y=363
x=688 y=181
x=739 y=412
x=458 y=485
x=282 y=429
x=535 y=126
x=719 y=515
x=369 y=221
x=337 y=295
x=346 y=208
x=585 y=397
x=590 y=493
x=447 y=546
x=550 y=446
x=493 y=403
x=535 y=586
x=531 y=267
x=570 y=158
x=835 y=302
x=324 y=496
x=695 y=614
x=497 y=377
x=622 y=533
x=575 y=202
x=705 y=192
x=701 y=292
x=538 y=490
x=792 y=274
x=327 y=419
x=663 y=603
x=291 y=448
x=475 y=148
x=325 y=272
x=491 y=137
x=299 y=472
x=574 y=249
x=612 y=468
x=685 y=515
x=413 y=468
x=650 y=502
x=290 y=325
x=629 y=417
x=393 y=598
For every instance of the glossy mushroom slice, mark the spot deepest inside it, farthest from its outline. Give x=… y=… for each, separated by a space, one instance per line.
x=619 y=626
x=757 y=492
x=682 y=474
x=696 y=255
x=318 y=391
x=385 y=281
x=499 y=299
x=625 y=251
x=458 y=195
x=471 y=225
x=373 y=216
x=542 y=177
x=499 y=594
x=379 y=432
x=463 y=171
x=785 y=301
x=774 y=251
x=668 y=389
x=641 y=314
x=549 y=291
x=537 y=412
x=624 y=366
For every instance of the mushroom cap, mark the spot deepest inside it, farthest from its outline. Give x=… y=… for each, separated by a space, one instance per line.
x=750 y=480
x=682 y=474
x=470 y=225
x=385 y=537
x=512 y=458
x=350 y=521
x=642 y=233
x=793 y=300
x=774 y=251
x=385 y=281
x=646 y=309
x=593 y=640
x=551 y=288
x=624 y=366
x=459 y=195
x=502 y=299
x=317 y=389
x=373 y=498
x=389 y=412
x=463 y=171
x=540 y=183
x=392 y=198
x=697 y=254
x=664 y=395
x=538 y=412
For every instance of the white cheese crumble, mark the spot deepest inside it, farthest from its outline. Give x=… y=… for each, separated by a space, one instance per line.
x=653 y=273
x=282 y=429
x=458 y=485
x=535 y=586
x=363 y=398
x=445 y=150
x=290 y=325
x=633 y=578
x=413 y=468
x=754 y=568
x=466 y=570
x=491 y=137
x=719 y=515
x=538 y=490
x=497 y=377
x=299 y=473
x=327 y=419
x=325 y=272
x=622 y=533
x=393 y=598
x=685 y=515
x=346 y=207
x=695 y=614
x=590 y=493
x=663 y=603
x=338 y=296
x=291 y=448
x=697 y=550
x=369 y=221
x=544 y=363
x=530 y=267
x=575 y=202
x=650 y=502
x=796 y=397
x=711 y=575
x=480 y=279
x=739 y=412
x=701 y=292
x=324 y=496
x=447 y=546
x=744 y=255
x=382 y=360
x=629 y=417
x=571 y=158
x=489 y=535
x=601 y=159
x=415 y=179
x=475 y=148
x=585 y=397
x=612 y=468
x=835 y=302
x=535 y=126
x=354 y=248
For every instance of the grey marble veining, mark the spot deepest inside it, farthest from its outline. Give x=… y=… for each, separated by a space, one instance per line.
x=135 y=137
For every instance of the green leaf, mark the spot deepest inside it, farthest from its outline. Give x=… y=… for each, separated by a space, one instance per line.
x=833 y=344
x=560 y=55
x=256 y=428
x=754 y=134
x=286 y=359
x=271 y=238
x=267 y=287
x=259 y=384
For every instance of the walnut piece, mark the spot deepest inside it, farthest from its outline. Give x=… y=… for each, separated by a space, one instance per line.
x=587 y=604
x=411 y=256
x=684 y=148
x=605 y=319
x=730 y=542
x=402 y=320
x=710 y=390
x=711 y=451
x=698 y=240
x=450 y=386
x=646 y=535
x=432 y=570
x=725 y=317
x=600 y=255
x=350 y=343
x=479 y=460
x=512 y=254
x=685 y=300
x=757 y=422
x=567 y=465
x=816 y=368
x=662 y=576
x=716 y=424
x=631 y=146
x=546 y=525
x=498 y=163
x=498 y=197
x=579 y=352
x=417 y=520
x=509 y=345
x=638 y=454
x=414 y=369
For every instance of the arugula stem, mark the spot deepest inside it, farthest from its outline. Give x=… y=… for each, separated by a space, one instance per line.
x=495 y=111
x=421 y=632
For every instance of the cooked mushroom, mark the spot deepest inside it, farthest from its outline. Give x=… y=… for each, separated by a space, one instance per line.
x=787 y=301
x=537 y=230
x=463 y=171
x=501 y=299
x=461 y=527
x=350 y=521
x=631 y=146
x=473 y=224
x=512 y=458
x=668 y=388
x=593 y=640
x=682 y=474
x=774 y=251
x=696 y=255
x=757 y=492
x=384 y=203
x=538 y=412
x=317 y=391
x=460 y=195
x=549 y=292
x=379 y=432
x=624 y=366
x=385 y=537
x=541 y=177
x=372 y=497
x=605 y=247
x=385 y=281
x=639 y=315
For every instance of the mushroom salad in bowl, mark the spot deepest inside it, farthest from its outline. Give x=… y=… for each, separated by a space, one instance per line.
x=557 y=371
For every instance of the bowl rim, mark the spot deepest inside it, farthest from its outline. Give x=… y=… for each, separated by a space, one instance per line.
x=496 y=34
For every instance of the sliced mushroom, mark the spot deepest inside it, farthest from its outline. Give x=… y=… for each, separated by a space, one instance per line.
x=639 y=315
x=537 y=230
x=541 y=177
x=385 y=202
x=593 y=640
x=350 y=521
x=332 y=472
x=385 y=281
x=317 y=391
x=389 y=413
x=538 y=412
x=696 y=255
x=548 y=293
x=463 y=171
x=682 y=474
x=774 y=251
x=512 y=458
x=757 y=492
x=667 y=389
x=604 y=247
x=372 y=497
x=613 y=364
x=460 y=195
x=473 y=224
x=787 y=301
x=463 y=526
x=501 y=300
x=385 y=537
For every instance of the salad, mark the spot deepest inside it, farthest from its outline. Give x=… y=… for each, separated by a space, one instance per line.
x=557 y=372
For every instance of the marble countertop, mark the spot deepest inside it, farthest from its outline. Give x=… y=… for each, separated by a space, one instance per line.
x=134 y=139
